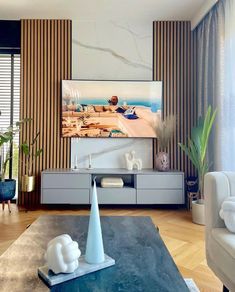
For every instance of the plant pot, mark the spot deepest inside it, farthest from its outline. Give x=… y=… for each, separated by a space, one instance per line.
x=162 y=161
x=7 y=189
x=27 y=183
x=198 y=212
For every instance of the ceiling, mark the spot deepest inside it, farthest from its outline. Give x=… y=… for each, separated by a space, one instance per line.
x=90 y=10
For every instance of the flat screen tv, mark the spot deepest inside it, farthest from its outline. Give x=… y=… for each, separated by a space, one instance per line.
x=110 y=109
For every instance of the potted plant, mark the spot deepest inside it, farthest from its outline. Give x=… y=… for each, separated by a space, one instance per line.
x=164 y=130
x=31 y=152
x=7 y=186
x=196 y=150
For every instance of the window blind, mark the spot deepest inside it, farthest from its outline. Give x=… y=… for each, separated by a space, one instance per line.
x=9 y=68
x=16 y=88
x=10 y=102
x=5 y=90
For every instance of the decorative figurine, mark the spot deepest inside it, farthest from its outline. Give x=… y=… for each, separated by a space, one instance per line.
x=62 y=254
x=132 y=162
x=94 y=246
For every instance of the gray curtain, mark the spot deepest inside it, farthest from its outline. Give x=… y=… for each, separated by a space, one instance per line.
x=214 y=42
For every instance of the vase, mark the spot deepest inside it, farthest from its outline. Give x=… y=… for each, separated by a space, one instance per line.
x=27 y=183
x=7 y=189
x=162 y=161
x=198 y=212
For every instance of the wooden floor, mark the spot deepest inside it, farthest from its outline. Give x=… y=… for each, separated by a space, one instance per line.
x=184 y=239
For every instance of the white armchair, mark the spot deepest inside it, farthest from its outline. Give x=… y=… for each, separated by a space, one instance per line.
x=220 y=243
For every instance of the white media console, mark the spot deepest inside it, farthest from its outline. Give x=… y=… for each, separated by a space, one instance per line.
x=147 y=186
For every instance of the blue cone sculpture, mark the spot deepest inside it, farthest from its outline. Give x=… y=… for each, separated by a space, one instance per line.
x=94 y=246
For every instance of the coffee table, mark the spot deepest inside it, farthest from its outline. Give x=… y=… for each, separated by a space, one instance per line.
x=142 y=261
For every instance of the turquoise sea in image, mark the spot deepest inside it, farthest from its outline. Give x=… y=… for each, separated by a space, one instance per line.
x=154 y=105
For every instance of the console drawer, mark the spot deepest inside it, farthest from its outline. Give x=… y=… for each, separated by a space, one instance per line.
x=65 y=181
x=161 y=181
x=69 y=196
x=116 y=195
x=160 y=197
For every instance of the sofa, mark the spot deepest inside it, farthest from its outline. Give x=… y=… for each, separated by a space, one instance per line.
x=220 y=243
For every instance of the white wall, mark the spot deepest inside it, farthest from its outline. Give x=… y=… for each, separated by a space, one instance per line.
x=112 y=51
x=204 y=9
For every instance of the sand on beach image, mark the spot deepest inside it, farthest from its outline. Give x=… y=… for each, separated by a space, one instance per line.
x=110 y=108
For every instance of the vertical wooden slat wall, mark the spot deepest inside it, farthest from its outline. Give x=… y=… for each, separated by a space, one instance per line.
x=172 y=65
x=45 y=61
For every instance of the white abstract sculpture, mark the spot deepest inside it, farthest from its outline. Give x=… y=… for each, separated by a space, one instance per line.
x=227 y=213
x=132 y=162
x=94 y=246
x=62 y=254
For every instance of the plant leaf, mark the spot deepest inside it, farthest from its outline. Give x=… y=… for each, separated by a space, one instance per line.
x=25 y=148
x=23 y=121
x=207 y=130
x=197 y=145
x=38 y=152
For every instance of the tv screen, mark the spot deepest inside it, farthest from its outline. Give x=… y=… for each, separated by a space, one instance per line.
x=110 y=108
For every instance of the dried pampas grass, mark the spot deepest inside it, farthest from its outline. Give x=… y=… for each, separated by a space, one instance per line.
x=164 y=130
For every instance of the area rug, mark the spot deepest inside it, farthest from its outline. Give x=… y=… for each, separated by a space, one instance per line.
x=191 y=285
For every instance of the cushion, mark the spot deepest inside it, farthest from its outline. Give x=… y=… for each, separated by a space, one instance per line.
x=227 y=213
x=112 y=182
x=225 y=239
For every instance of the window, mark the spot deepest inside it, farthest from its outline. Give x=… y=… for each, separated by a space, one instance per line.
x=10 y=102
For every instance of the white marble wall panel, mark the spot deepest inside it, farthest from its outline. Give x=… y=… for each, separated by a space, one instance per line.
x=111 y=51
x=109 y=153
